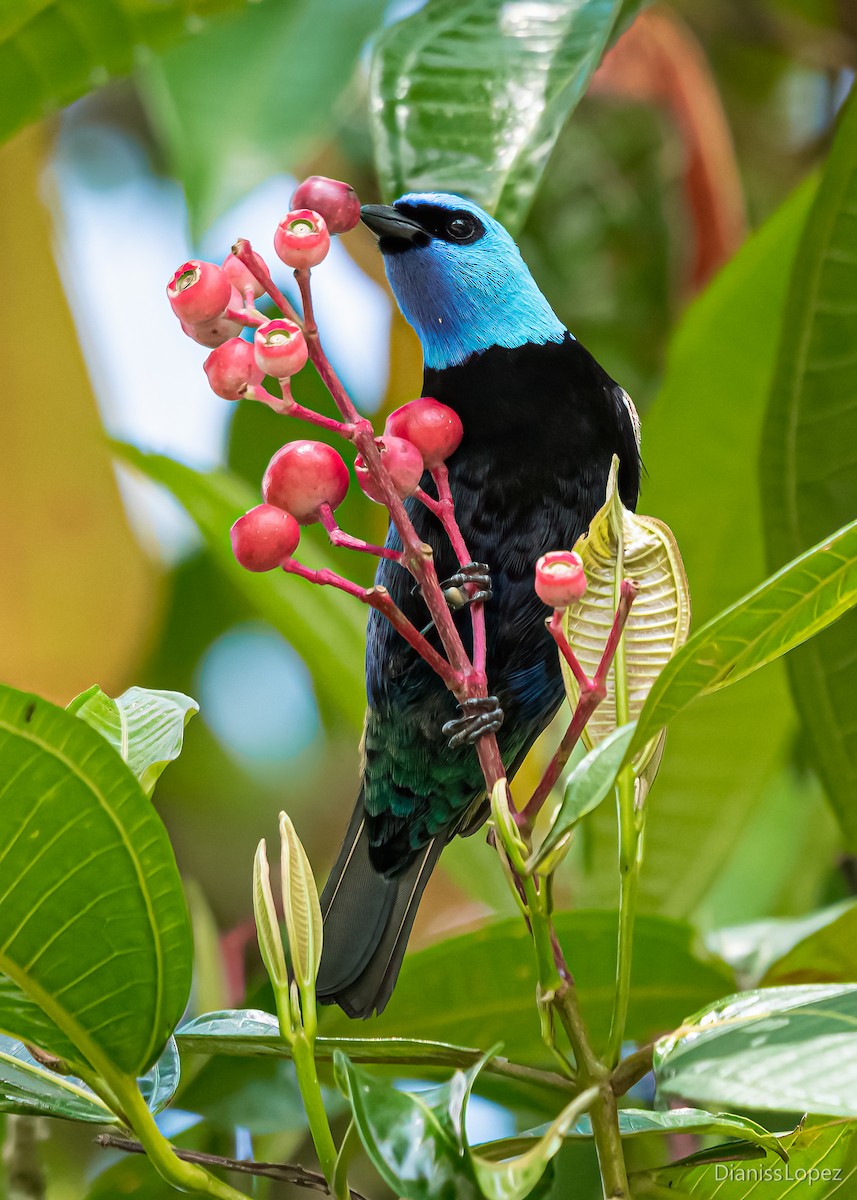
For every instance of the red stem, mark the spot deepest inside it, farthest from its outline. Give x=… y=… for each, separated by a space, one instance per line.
x=592 y=692
x=339 y=537
x=246 y=316
x=254 y=264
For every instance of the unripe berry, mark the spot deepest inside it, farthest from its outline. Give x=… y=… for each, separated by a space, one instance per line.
x=264 y=537
x=303 y=476
x=280 y=348
x=334 y=200
x=241 y=277
x=434 y=429
x=231 y=368
x=198 y=292
x=302 y=238
x=402 y=459
x=220 y=330
x=560 y=578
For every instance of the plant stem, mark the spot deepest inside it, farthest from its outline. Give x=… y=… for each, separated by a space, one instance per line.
x=338 y=537
x=186 y=1176
x=25 y=1176
x=632 y=1069
x=604 y=1115
x=629 y=857
x=319 y=1126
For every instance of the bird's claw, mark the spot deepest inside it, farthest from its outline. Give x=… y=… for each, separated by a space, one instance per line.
x=454 y=588
x=480 y=715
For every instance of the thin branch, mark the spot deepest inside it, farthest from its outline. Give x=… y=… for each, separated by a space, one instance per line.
x=632 y=1069
x=284 y=1172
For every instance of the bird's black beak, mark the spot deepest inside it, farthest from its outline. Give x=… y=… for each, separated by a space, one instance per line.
x=388 y=224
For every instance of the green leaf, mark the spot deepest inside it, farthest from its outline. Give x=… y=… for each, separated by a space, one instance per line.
x=637 y=1122
x=818 y=948
x=780 y=1049
x=52 y=51
x=516 y=1177
x=328 y=632
x=418 y=1143
x=146 y=727
x=31 y=1089
x=706 y=797
x=93 y=924
x=589 y=783
x=28 y=1088
x=803 y=598
x=822 y=1162
x=303 y=54
x=809 y=470
x=267 y=923
x=469 y=96
x=411 y=1145
x=478 y=989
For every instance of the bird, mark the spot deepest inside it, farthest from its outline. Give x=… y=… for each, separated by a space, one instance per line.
x=542 y=421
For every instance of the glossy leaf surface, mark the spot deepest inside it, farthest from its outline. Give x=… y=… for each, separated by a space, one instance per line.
x=822 y=1162
x=146 y=727
x=469 y=96
x=93 y=924
x=809 y=468
x=781 y=1048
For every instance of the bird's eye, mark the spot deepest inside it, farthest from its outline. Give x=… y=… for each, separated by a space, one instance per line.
x=460 y=228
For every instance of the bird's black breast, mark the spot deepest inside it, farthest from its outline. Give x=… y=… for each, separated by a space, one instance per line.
x=541 y=425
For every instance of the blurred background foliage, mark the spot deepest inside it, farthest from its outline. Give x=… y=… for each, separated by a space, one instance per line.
x=703 y=122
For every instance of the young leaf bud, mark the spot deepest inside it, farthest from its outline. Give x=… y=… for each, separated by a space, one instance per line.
x=231 y=368
x=560 y=578
x=264 y=538
x=280 y=348
x=300 y=907
x=198 y=292
x=302 y=238
x=334 y=200
x=402 y=459
x=304 y=475
x=241 y=277
x=434 y=429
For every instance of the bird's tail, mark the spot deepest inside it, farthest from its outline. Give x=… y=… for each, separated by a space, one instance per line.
x=367 y=922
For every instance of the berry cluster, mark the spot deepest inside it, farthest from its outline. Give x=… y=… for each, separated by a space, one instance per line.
x=306 y=481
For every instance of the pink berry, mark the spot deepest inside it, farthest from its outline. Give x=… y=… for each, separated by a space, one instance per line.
x=303 y=476
x=302 y=238
x=264 y=538
x=198 y=292
x=404 y=462
x=280 y=347
x=231 y=368
x=434 y=429
x=560 y=578
x=336 y=201
x=220 y=330
x=241 y=276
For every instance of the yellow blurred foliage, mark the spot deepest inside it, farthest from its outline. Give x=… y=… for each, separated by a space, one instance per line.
x=77 y=593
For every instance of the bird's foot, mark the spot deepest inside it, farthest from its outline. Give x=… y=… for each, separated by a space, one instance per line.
x=480 y=715
x=455 y=588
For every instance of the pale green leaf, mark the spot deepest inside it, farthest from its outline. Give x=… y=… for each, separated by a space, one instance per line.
x=267 y=924
x=301 y=906
x=146 y=727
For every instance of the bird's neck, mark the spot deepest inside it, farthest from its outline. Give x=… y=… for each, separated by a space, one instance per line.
x=456 y=322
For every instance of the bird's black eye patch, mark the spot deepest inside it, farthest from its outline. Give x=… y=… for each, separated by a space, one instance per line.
x=454 y=225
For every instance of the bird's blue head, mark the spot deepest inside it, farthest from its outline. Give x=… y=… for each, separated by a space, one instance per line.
x=459 y=278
